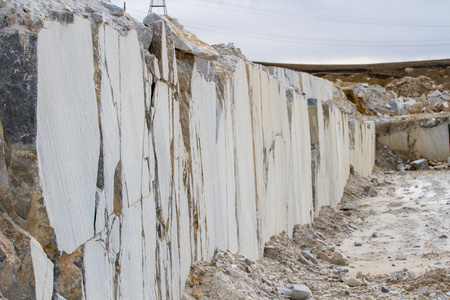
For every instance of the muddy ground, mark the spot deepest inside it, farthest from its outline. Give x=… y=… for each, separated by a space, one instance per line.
x=391 y=244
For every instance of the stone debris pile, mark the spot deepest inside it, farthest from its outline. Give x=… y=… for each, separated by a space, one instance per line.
x=312 y=264
x=389 y=101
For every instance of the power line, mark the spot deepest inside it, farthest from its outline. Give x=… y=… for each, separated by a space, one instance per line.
x=317 y=41
x=311 y=40
x=302 y=16
x=205 y=26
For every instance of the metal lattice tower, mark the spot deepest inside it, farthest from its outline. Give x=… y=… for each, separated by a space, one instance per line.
x=157 y=3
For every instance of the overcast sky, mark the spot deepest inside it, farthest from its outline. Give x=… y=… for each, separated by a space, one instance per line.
x=317 y=31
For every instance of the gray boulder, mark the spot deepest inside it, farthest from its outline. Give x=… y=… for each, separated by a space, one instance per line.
x=284 y=291
x=339 y=259
x=420 y=164
x=352 y=282
x=370 y=191
x=300 y=292
x=113 y=9
x=145 y=36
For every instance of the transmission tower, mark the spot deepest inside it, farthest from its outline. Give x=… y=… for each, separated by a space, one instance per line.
x=157 y=3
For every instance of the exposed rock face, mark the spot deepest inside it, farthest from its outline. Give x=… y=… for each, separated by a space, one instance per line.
x=183 y=40
x=26 y=272
x=18 y=84
x=127 y=161
x=428 y=137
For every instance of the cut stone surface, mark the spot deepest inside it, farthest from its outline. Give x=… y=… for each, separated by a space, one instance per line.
x=70 y=203
x=139 y=162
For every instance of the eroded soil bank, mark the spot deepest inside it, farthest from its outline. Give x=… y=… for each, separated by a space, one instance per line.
x=389 y=241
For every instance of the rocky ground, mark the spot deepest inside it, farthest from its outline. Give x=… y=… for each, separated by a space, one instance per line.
x=388 y=239
x=390 y=89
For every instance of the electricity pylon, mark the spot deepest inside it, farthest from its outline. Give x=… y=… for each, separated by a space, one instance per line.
x=157 y=3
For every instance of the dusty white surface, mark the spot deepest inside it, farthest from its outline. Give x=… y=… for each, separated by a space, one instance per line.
x=408 y=217
x=68 y=135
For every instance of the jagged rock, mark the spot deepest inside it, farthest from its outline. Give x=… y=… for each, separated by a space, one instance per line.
x=90 y=9
x=115 y=10
x=352 y=282
x=402 y=171
x=158 y=48
x=430 y=123
x=69 y=274
x=344 y=293
x=441 y=106
x=420 y=164
x=183 y=40
x=270 y=251
x=342 y=276
x=300 y=292
x=97 y=17
x=3 y=22
x=370 y=191
x=322 y=255
x=26 y=272
x=307 y=254
x=18 y=85
x=349 y=206
x=305 y=261
x=145 y=35
x=284 y=291
x=339 y=259
x=64 y=17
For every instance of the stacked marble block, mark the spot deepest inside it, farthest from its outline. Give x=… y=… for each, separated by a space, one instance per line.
x=147 y=164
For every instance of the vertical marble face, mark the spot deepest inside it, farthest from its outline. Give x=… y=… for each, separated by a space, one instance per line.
x=148 y=161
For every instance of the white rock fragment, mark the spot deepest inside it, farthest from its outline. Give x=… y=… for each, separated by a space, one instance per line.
x=300 y=292
x=43 y=271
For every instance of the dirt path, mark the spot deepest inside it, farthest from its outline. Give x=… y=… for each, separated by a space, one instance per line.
x=392 y=246
x=406 y=226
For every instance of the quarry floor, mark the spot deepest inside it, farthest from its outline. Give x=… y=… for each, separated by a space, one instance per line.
x=395 y=246
x=406 y=226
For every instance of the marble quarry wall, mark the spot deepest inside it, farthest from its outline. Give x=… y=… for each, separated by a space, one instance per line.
x=429 y=137
x=123 y=162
